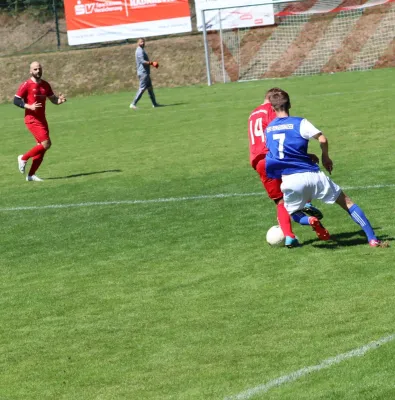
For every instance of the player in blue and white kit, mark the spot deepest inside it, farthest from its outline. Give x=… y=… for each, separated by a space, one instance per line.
x=287 y=139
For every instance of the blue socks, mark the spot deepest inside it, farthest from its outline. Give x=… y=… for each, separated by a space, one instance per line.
x=301 y=218
x=359 y=217
x=356 y=214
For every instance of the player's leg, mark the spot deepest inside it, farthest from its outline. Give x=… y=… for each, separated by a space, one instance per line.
x=273 y=189
x=143 y=85
x=309 y=209
x=284 y=220
x=37 y=160
x=151 y=93
x=41 y=133
x=331 y=193
x=152 y=97
x=298 y=189
x=359 y=217
x=303 y=219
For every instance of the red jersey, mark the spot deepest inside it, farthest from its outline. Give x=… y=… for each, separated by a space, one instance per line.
x=31 y=92
x=259 y=119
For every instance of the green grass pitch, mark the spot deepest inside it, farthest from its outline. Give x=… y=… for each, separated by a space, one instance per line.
x=151 y=286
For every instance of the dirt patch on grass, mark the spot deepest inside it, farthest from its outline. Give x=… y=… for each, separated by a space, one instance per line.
x=109 y=69
x=24 y=34
x=82 y=71
x=76 y=71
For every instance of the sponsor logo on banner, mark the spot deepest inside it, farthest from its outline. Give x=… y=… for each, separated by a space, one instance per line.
x=99 y=7
x=246 y=13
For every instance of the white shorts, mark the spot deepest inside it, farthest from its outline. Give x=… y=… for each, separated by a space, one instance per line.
x=300 y=188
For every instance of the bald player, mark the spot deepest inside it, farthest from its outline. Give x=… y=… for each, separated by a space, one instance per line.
x=144 y=73
x=32 y=96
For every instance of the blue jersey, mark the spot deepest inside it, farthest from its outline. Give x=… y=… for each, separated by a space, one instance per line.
x=287 y=140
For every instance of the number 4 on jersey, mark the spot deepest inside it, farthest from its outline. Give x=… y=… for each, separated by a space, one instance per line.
x=256 y=130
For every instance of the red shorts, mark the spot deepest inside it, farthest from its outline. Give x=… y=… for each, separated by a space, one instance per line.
x=39 y=128
x=272 y=186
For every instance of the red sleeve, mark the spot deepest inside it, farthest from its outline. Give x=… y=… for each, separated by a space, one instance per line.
x=49 y=90
x=22 y=91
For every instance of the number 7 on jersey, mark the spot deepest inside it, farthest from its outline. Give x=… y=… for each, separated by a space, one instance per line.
x=280 y=137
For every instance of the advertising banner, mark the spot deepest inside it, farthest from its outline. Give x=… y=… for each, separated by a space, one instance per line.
x=93 y=21
x=253 y=13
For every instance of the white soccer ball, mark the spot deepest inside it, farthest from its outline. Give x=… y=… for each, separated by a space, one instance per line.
x=275 y=236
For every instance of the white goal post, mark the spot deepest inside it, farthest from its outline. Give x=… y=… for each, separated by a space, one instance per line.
x=308 y=37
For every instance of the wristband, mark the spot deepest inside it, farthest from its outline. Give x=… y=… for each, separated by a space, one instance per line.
x=19 y=102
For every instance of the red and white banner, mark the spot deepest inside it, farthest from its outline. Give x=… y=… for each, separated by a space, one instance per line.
x=93 y=21
x=246 y=13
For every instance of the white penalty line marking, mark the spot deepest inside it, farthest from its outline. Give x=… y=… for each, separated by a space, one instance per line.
x=164 y=200
x=329 y=362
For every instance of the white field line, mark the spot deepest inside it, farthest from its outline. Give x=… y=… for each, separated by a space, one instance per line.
x=166 y=199
x=293 y=376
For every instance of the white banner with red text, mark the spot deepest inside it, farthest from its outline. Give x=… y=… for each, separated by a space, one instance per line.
x=229 y=14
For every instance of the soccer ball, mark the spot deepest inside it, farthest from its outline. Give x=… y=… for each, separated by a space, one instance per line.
x=275 y=236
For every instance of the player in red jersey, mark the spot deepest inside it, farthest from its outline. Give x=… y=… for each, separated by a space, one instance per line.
x=31 y=96
x=257 y=123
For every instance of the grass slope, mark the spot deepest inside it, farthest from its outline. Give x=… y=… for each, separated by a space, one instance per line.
x=183 y=299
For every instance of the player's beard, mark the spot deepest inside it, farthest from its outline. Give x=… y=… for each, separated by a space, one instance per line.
x=37 y=75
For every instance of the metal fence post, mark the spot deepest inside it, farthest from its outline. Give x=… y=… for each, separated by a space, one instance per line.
x=55 y=11
x=206 y=51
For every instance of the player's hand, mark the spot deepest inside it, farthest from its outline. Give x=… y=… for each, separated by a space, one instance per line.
x=155 y=64
x=61 y=98
x=35 y=105
x=314 y=158
x=327 y=163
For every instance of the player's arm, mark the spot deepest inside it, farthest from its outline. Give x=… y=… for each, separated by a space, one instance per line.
x=309 y=131
x=57 y=99
x=140 y=57
x=326 y=161
x=153 y=63
x=19 y=102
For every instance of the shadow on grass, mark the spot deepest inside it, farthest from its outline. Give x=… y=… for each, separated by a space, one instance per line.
x=345 y=239
x=85 y=174
x=171 y=105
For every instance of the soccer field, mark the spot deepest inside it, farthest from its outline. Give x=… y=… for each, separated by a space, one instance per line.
x=139 y=268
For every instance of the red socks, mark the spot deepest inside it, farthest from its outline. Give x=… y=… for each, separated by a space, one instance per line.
x=36 y=150
x=37 y=160
x=284 y=220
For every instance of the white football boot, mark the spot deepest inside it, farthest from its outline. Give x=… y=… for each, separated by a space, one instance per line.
x=21 y=164
x=34 y=178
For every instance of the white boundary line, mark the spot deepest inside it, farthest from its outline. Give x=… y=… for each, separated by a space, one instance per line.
x=293 y=376
x=165 y=200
